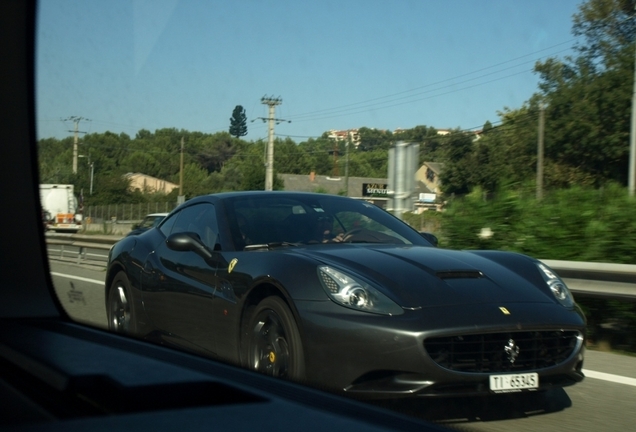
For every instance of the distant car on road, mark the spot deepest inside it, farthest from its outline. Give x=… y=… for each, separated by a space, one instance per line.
x=149 y=221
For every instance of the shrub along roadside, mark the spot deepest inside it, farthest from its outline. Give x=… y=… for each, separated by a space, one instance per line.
x=577 y=224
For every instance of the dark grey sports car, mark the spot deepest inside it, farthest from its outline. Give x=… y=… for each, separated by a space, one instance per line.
x=338 y=293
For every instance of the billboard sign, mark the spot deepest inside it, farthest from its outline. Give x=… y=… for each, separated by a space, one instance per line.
x=374 y=189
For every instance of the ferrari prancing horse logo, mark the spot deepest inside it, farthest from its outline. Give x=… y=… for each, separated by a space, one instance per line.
x=504 y=310
x=512 y=351
x=232 y=264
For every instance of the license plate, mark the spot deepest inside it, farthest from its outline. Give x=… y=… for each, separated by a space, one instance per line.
x=514 y=382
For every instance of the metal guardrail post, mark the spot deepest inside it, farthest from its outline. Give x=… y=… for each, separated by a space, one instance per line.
x=81 y=254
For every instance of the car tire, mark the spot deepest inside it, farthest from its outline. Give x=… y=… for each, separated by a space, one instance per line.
x=274 y=346
x=120 y=311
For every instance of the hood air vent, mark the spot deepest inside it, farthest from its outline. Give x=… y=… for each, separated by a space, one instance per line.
x=459 y=274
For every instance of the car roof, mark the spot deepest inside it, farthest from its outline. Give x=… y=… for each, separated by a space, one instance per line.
x=243 y=194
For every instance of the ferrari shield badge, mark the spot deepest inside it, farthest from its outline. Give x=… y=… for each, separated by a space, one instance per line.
x=502 y=309
x=232 y=264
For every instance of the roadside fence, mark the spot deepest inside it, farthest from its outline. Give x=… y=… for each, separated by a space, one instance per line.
x=124 y=213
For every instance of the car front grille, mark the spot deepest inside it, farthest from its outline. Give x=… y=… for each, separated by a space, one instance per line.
x=502 y=352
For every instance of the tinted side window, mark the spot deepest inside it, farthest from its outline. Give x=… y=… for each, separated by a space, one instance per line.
x=199 y=219
x=166 y=227
x=148 y=222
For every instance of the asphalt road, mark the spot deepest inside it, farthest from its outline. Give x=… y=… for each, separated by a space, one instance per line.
x=604 y=401
x=80 y=289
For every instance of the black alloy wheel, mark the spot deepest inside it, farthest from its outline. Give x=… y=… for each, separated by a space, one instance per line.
x=274 y=345
x=120 y=310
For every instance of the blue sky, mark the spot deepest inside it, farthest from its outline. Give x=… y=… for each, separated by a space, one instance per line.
x=148 y=64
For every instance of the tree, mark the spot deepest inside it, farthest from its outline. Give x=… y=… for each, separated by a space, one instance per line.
x=317 y=154
x=254 y=179
x=290 y=158
x=588 y=97
x=111 y=188
x=587 y=100
x=458 y=168
x=238 y=122
x=368 y=163
x=196 y=180
x=213 y=151
x=608 y=27
x=374 y=139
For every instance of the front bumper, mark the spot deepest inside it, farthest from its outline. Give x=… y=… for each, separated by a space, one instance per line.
x=386 y=356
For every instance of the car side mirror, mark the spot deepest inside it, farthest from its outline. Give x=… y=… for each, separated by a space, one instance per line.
x=431 y=238
x=188 y=242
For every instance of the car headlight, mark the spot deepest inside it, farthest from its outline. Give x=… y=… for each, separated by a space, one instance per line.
x=557 y=287
x=355 y=294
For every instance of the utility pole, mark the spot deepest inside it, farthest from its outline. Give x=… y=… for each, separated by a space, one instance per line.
x=76 y=132
x=271 y=102
x=631 y=181
x=335 y=172
x=347 y=164
x=90 y=169
x=181 y=198
x=540 y=147
x=92 y=173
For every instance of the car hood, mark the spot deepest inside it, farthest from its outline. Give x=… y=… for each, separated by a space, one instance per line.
x=420 y=277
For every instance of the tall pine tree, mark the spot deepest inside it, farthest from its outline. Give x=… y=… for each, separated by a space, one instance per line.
x=238 y=122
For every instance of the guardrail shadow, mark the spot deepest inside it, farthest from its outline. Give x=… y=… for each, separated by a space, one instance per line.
x=483 y=408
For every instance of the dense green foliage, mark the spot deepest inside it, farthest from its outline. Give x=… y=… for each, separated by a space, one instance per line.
x=212 y=162
x=578 y=224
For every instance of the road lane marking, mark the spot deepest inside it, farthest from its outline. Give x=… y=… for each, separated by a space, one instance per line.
x=95 y=281
x=609 y=377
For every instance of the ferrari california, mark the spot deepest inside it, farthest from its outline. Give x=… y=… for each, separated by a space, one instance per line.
x=338 y=293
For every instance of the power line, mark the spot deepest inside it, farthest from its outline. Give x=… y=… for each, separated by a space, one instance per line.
x=393 y=97
x=363 y=109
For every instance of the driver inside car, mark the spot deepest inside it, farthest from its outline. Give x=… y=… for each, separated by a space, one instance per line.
x=324 y=228
x=326 y=231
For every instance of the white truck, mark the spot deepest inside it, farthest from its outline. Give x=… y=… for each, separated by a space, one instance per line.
x=59 y=208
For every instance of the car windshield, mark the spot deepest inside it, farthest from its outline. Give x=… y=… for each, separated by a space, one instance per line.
x=380 y=199
x=316 y=219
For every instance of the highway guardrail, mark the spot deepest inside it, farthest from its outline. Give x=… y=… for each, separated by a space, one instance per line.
x=605 y=280
x=79 y=244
